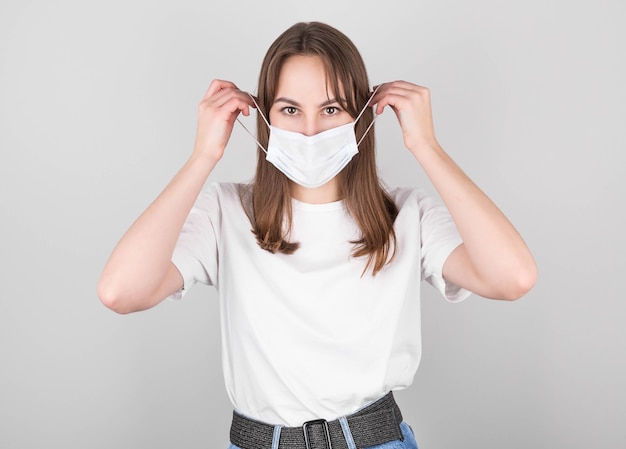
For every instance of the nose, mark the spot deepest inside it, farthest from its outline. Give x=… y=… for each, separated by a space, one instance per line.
x=310 y=127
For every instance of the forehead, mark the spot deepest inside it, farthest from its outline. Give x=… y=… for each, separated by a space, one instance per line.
x=304 y=79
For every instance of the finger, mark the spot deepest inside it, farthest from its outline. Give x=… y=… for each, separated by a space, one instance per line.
x=216 y=86
x=234 y=106
x=399 y=94
x=221 y=97
x=225 y=96
x=397 y=101
x=392 y=98
x=375 y=95
x=381 y=90
x=371 y=95
x=255 y=100
x=406 y=85
x=402 y=88
x=395 y=87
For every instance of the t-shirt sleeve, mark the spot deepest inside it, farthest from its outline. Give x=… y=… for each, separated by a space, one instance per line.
x=439 y=237
x=196 y=250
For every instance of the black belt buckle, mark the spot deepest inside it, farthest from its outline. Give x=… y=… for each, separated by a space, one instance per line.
x=305 y=429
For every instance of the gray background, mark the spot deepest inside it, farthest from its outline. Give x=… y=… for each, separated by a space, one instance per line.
x=98 y=111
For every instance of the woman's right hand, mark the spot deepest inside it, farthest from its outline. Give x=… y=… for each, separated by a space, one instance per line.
x=217 y=112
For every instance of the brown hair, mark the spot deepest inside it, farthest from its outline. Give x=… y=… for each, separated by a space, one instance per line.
x=370 y=206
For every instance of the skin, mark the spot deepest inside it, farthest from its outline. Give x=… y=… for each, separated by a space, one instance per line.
x=493 y=260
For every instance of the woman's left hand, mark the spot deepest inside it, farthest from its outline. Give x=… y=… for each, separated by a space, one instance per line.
x=411 y=103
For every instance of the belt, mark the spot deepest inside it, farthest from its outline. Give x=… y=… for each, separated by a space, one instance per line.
x=375 y=424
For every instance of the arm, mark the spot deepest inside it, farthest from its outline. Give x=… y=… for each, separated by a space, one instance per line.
x=139 y=273
x=493 y=260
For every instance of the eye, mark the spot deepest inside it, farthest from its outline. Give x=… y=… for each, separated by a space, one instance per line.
x=331 y=110
x=290 y=110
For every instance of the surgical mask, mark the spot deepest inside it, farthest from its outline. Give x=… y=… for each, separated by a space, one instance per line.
x=312 y=161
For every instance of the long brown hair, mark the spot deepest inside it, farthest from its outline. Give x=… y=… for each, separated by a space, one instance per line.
x=370 y=206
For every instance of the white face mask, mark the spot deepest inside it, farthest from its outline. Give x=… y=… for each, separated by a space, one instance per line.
x=312 y=161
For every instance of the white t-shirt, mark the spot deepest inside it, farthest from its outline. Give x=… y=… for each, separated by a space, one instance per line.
x=306 y=335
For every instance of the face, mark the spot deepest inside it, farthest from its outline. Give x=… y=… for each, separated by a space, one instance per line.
x=304 y=102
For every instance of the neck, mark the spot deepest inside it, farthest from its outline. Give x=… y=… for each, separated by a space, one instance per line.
x=326 y=193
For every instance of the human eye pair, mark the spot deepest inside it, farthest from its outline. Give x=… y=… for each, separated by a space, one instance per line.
x=328 y=110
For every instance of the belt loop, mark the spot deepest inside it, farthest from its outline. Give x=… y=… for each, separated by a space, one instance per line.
x=276 y=438
x=347 y=433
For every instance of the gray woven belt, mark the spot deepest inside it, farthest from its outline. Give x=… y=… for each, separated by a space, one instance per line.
x=377 y=423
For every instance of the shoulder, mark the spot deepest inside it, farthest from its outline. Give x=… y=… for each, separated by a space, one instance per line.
x=224 y=193
x=221 y=198
x=416 y=205
x=407 y=197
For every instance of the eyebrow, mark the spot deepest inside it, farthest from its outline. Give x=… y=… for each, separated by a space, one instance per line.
x=295 y=103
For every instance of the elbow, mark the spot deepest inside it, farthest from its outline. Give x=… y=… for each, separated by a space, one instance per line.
x=521 y=284
x=111 y=298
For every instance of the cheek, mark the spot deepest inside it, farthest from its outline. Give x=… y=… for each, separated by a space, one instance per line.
x=344 y=119
x=282 y=121
x=273 y=118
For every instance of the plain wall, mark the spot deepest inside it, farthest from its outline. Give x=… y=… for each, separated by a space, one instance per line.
x=98 y=106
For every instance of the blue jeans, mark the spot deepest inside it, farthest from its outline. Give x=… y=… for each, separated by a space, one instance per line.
x=408 y=443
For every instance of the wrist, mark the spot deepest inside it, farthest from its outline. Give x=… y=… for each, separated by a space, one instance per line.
x=203 y=155
x=425 y=150
x=202 y=163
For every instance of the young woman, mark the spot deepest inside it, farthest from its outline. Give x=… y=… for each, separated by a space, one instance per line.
x=318 y=267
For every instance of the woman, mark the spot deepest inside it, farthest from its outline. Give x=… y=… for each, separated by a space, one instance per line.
x=318 y=267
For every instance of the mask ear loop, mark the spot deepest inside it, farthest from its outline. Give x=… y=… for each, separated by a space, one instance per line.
x=361 y=113
x=264 y=119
